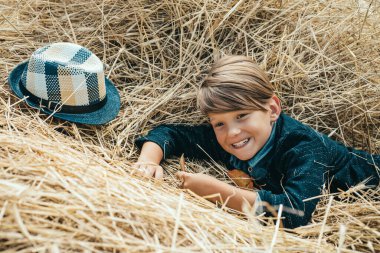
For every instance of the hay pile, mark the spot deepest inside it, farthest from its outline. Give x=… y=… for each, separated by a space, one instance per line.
x=67 y=187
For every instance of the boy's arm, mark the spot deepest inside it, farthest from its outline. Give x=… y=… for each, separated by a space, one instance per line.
x=167 y=140
x=150 y=153
x=204 y=185
x=193 y=141
x=149 y=160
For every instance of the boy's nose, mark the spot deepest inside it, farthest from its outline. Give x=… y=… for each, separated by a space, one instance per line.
x=233 y=131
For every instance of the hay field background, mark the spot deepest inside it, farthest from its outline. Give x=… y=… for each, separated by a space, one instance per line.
x=69 y=188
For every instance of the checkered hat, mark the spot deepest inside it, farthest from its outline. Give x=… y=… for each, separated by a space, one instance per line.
x=67 y=81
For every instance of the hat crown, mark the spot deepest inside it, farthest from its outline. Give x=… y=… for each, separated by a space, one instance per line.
x=65 y=73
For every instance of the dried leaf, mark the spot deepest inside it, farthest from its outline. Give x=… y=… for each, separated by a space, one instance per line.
x=240 y=178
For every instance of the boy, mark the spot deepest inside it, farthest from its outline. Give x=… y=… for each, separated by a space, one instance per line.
x=287 y=160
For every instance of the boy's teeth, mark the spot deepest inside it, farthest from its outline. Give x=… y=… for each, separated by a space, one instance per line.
x=240 y=143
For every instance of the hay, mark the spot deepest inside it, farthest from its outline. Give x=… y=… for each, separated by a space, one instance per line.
x=67 y=187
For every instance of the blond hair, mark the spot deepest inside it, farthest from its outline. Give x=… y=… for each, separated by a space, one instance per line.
x=234 y=83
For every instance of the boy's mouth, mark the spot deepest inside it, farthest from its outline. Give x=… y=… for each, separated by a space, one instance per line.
x=240 y=144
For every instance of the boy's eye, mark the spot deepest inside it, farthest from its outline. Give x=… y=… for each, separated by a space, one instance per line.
x=240 y=116
x=219 y=124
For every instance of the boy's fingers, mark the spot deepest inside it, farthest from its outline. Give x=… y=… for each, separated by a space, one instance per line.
x=149 y=171
x=138 y=169
x=159 y=173
x=180 y=174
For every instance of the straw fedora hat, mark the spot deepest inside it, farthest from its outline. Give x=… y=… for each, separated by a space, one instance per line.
x=67 y=81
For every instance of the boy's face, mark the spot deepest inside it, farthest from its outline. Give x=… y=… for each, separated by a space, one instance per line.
x=243 y=133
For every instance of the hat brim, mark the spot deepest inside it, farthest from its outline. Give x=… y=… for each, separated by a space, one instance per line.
x=105 y=114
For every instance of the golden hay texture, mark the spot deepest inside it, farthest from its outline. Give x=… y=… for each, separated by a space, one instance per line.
x=69 y=188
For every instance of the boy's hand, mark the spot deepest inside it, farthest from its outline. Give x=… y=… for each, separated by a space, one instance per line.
x=198 y=183
x=149 y=160
x=204 y=185
x=149 y=169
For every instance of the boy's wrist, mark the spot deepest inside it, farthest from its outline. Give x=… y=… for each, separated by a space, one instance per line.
x=150 y=153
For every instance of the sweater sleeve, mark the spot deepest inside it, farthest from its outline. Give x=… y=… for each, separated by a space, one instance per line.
x=303 y=172
x=197 y=142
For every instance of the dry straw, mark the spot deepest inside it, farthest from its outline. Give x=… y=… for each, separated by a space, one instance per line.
x=69 y=188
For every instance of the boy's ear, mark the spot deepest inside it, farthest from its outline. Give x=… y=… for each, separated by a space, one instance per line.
x=275 y=107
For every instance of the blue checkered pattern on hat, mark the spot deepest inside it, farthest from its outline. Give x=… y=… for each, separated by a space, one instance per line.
x=66 y=74
x=81 y=56
x=67 y=82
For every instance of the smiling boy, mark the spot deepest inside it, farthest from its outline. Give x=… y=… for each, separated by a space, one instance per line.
x=288 y=161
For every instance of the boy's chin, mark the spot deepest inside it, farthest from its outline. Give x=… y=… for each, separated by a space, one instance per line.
x=244 y=157
x=240 y=156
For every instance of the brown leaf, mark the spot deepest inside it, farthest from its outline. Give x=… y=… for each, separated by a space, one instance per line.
x=240 y=178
